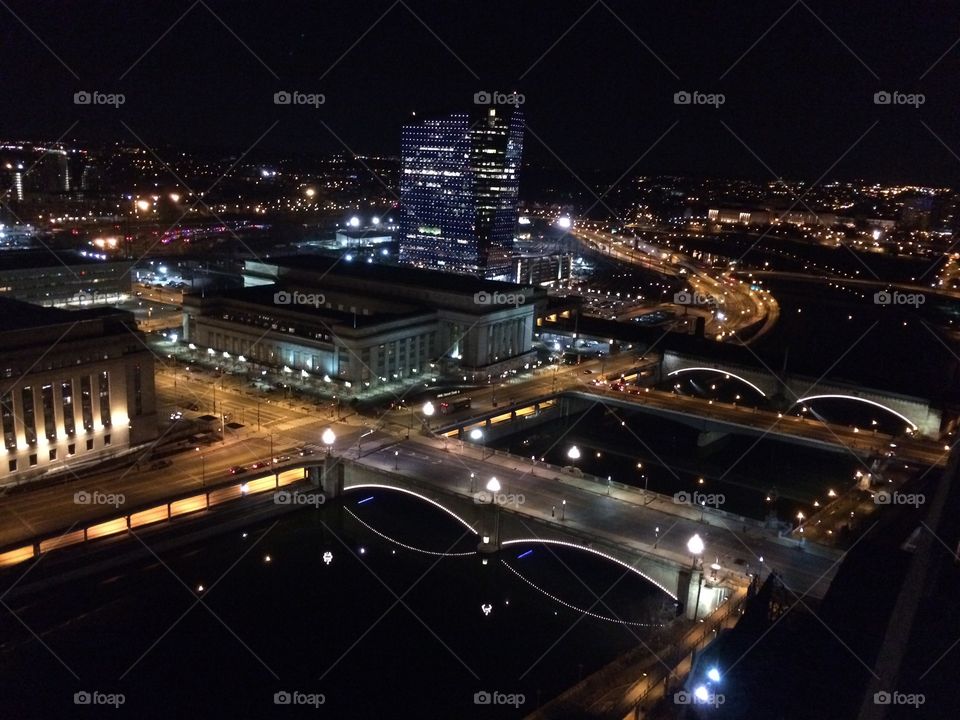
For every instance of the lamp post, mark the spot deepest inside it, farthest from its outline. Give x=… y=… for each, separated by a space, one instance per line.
x=428 y=410
x=695 y=547
x=476 y=435
x=472 y=486
x=493 y=487
x=396 y=459
x=573 y=453
x=563 y=510
x=329 y=438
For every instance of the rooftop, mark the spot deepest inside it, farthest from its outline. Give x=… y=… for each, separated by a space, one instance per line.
x=392 y=274
x=41 y=258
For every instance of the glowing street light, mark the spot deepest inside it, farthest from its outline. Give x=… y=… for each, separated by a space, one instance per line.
x=573 y=453
x=493 y=486
x=329 y=438
x=695 y=545
x=354 y=221
x=564 y=222
x=476 y=434
x=428 y=408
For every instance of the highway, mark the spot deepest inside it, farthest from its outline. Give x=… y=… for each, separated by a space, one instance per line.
x=732 y=305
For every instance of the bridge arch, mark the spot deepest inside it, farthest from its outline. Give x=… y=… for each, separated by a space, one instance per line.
x=874 y=403
x=725 y=373
x=447 y=510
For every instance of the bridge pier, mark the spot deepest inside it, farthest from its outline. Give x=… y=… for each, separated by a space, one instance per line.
x=327 y=476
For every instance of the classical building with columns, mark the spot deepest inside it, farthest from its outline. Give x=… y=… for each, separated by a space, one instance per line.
x=366 y=324
x=76 y=387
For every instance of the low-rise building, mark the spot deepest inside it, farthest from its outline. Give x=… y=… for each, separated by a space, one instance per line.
x=367 y=324
x=63 y=277
x=76 y=387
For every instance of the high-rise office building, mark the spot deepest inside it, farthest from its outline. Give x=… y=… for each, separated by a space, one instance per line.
x=458 y=188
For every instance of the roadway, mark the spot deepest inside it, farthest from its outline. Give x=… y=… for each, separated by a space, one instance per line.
x=735 y=306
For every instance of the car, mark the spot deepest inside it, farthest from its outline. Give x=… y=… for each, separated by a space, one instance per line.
x=281 y=459
x=160 y=464
x=304 y=451
x=588 y=371
x=237 y=469
x=257 y=465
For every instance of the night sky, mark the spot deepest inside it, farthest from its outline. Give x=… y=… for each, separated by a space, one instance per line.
x=799 y=91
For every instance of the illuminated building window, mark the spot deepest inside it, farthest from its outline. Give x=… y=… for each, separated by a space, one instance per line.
x=104 y=382
x=9 y=428
x=29 y=416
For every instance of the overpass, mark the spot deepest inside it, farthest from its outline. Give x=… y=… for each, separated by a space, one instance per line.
x=713 y=419
x=796 y=389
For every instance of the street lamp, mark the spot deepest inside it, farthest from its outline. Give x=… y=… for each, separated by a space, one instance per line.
x=563 y=510
x=428 y=411
x=329 y=438
x=476 y=435
x=493 y=487
x=396 y=459
x=573 y=453
x=695 y=547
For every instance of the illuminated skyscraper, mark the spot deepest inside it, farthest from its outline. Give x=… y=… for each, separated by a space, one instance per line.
x=458 y=189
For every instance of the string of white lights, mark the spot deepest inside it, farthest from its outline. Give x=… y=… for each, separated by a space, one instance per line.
x=404 y=545
x=580 y=610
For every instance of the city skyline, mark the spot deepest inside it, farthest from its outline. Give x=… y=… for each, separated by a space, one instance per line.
x=769 y=116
